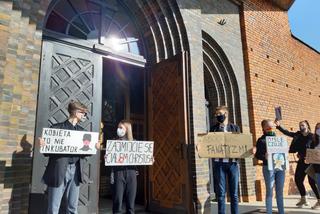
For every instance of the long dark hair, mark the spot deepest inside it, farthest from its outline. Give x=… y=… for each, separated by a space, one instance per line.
x=315 y=137
x=306 y=122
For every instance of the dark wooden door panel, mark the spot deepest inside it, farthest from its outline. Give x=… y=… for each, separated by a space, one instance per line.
x=68 y=73
x=167 y=117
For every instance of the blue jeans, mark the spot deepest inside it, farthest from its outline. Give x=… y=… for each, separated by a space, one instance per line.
x=222 y=172
x=274 y=178
x=71 y=187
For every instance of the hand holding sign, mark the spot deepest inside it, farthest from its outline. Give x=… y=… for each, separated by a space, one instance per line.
x=62 y=141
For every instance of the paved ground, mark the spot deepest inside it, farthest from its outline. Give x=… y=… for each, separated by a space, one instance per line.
x=244 y=208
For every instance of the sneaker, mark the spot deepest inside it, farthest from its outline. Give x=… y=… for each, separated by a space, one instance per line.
x=316 y=206
x=302 y=202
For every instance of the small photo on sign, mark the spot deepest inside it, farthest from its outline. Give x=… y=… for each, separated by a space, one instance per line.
x=279 y=161
x=62 y=141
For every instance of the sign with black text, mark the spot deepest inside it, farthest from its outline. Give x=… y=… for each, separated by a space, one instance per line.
x=62 y=141
x=277 y=149
x=123 y=153
x=224 y=145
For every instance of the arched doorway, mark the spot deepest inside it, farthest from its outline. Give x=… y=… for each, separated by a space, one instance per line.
x=221 y=88
x=83 y=41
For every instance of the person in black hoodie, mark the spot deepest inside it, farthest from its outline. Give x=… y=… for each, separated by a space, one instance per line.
x=316 y=145
x=272 y=177
x=302 y=140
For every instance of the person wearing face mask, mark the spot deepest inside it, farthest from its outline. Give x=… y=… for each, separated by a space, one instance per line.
x=124 y=178
x=224 y=169
x=271 y=177
x=64 y=172
x=302 y=140
x=316 y=145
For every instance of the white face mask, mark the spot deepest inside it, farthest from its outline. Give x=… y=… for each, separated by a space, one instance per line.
x=318 y=132
x=121 y=132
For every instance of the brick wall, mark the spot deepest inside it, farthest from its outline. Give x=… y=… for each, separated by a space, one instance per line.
x=19 y=67
x=281 y=71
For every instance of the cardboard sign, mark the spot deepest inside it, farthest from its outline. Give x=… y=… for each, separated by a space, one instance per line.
x=62 y=141
x=277 y=149
x=313 y=156
x=278 y=113
x=123 y=153
x=224 y=145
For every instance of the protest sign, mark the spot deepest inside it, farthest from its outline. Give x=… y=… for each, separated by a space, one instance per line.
x=313 y=156
x=277 y=149
x=224 y=145
x=123 y=153
x=62 y=141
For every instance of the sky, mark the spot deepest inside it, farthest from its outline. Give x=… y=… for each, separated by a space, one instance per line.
x=304 y=19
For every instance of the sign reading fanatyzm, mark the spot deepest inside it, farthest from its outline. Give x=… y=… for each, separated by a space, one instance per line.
x=122 y=153
x=62 y=141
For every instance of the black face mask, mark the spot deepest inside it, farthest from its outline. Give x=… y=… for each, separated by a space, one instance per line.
x=221 y=118
x=303 y=129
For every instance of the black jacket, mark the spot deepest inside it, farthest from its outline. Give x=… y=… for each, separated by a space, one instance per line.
x=261 y=149
x=299 y=144
x=230 y=128
x=57 y=166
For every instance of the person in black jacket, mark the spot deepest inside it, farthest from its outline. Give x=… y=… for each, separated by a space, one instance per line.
x=302 y=140
x=225 y=168
x=272 y=177
x=124 y=178
x=316 y=145
x=63 y=173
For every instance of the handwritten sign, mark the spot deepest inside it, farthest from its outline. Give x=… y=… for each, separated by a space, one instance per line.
x=122 y=153
x=62 y=141
x=224 y=145
x=313 y=156
x=277 y=149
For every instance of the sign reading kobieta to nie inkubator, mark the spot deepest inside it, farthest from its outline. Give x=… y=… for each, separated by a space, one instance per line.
x=62 y=141
x=122 y=153
x=277 y=149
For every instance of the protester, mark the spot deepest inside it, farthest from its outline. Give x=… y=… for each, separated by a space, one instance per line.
x=225 y=168
x=124 y=178
x=316 y=145
x=302 y=140
x=271 y=177
x=64 y=172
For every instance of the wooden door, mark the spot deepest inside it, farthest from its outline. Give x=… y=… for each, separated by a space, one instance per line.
x=67 y=73
x=169 y=188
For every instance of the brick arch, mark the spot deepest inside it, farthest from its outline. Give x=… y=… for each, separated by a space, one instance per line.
x=220 y=81
x=160 y=24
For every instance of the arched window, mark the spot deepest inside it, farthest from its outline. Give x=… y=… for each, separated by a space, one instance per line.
x=97 y=21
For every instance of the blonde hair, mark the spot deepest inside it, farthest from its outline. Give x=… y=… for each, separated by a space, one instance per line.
x=127 y=124
x=224 y=108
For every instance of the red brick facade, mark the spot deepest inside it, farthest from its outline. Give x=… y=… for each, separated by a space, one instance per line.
x=281 y=71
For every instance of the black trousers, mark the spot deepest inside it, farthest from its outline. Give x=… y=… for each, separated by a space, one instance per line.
x=124 y=187
x=299 y=177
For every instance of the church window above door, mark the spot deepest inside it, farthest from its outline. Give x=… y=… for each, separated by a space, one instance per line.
x=102 y=22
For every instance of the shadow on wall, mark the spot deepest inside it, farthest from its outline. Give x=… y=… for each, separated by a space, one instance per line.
x=17 y=177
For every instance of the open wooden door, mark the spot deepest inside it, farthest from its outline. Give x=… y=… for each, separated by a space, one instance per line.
x=67 y=73
x=169 y=188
